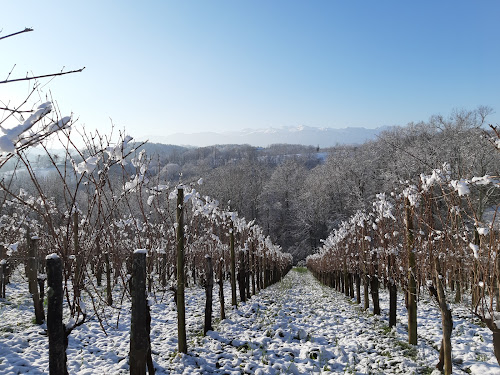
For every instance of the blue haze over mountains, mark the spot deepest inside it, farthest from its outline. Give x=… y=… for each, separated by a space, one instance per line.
x=305 y=135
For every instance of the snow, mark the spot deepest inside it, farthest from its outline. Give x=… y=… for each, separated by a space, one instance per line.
x=6 y=144
x=61 y=124
x=24 y=133
x=436 y=177
x=483 y=231
x=52 y=256
x=88 y=165
x=12 y=248
x=484 y=180
x=475 y=250
x=150 y=200
x=383 y=208
x=140 y=251
x=460 y=186
x=413 y=195
x=137 y=180
x=296 y=326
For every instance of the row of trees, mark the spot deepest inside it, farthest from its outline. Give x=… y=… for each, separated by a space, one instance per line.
x=298 y=196
x=438 y=232
x=302 y=196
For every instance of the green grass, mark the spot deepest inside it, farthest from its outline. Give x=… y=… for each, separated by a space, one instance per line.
x=244 y=348
x=409 y=351
x=426 y=370
x=300 y=269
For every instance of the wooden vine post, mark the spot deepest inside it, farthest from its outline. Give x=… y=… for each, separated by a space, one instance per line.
x=445 y=362
x=221 y=290
x=234 y=301
x=209 y=286
x=393 y=291
x=412 y=269
x=3 y=277
x=181 y=304
x=3 y=271
x=247 y=274
x=241 y=277
x=55 y=327
x=140 y=325
x=78 y=283
x=109 y=295
x=33 y=278
x=374 y=284
x=366 y=277
x=253 y=267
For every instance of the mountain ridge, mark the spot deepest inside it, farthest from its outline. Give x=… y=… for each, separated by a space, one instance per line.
x=305 y=135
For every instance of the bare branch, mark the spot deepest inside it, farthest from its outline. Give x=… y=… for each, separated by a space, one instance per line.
x=42 y=76
x=19 y=32
x=14 y=110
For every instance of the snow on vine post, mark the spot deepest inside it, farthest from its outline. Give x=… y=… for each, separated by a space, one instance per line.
x=3 y=277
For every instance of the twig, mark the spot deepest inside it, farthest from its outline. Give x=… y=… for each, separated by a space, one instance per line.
x=42 y=76
x=19 y=32
x=14 y=110
x=400 y=149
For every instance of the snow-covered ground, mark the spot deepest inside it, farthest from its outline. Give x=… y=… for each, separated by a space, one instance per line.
x=296 y=326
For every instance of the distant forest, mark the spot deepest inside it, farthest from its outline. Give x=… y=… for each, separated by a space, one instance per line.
x=298 y=194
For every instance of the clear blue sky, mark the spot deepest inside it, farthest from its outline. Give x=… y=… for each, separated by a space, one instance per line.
x=161 y=67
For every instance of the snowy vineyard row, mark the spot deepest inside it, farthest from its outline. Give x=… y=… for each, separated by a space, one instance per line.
x=439 y=234
x=106 y=200
x=209 y=241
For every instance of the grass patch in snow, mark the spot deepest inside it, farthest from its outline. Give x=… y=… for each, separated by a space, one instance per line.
x=409 y=350
x=426 y=370
x=300 y=269
x=244 y=348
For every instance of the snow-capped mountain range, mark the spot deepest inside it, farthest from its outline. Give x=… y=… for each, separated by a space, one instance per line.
x=305 y=135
